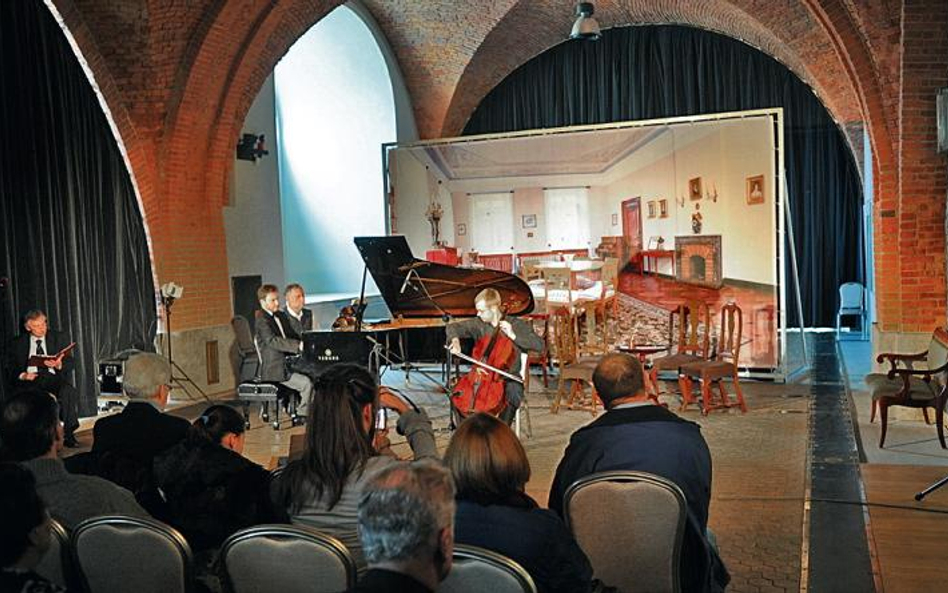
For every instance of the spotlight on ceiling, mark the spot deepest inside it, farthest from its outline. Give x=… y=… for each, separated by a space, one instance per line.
x=585 y=27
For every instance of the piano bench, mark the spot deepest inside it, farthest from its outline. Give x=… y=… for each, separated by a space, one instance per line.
x=267 y=393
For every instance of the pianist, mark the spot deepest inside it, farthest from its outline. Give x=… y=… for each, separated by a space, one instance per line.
x=276 y=342
x=489 y=317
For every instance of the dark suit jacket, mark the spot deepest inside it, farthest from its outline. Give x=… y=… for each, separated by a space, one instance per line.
x=18 y=353
x=650 y=439
x=273 y=347
x=139 y=432
x=298 y=326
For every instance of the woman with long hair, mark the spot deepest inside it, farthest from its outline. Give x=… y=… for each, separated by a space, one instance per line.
x=210 y=489
x=322 y=489
x=491 y=470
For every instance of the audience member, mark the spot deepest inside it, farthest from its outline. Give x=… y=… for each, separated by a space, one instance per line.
x=405 y=525
x=322 y=489
x=211 y=490
x=33 y=436
x=125 y=445
x=635 y=434
x=52 y=377
x=24 y=533
x=279 y=348
x=490 y=470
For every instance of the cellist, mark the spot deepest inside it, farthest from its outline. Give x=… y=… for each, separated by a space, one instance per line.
x=489 y=318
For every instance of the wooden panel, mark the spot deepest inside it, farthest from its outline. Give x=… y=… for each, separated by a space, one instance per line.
x=909 y=541
x=212 y=356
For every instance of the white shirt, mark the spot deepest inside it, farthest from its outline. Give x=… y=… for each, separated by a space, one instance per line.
x=33 y=352
x=298 y=316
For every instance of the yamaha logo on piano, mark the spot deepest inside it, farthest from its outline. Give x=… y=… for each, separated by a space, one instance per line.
x=328 y=356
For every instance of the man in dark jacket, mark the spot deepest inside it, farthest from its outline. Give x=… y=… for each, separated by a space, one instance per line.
x=275 y=342
x=635 y=434
x=53 y=376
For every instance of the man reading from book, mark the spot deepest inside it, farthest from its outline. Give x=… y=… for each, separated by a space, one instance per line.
x=41 y=360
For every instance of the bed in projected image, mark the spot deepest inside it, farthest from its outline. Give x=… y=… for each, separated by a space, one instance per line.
x=686 y=208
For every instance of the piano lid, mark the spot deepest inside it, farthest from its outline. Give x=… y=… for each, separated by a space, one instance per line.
x=415 y=287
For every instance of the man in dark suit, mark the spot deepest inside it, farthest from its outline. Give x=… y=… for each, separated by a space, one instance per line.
x=52 y=377
x=142 y=430
x=301 y=318
x=635 y=434
x=275 y=342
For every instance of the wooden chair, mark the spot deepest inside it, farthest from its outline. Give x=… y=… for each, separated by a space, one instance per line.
x=610 y=284
x=558 y=288
x=693 y=338
x=572 y=367
x=529 y=271
x=723 y=365
x=541 y=358
x=905 y=385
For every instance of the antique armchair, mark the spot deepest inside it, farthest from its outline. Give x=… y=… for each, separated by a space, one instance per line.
x=722 y=365
x=693 y=337
x=906 y=385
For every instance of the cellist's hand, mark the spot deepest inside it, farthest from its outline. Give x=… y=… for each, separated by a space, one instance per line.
x=455 y=346
x=507 y=329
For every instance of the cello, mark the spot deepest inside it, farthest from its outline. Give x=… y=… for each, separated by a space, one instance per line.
x=482 y=388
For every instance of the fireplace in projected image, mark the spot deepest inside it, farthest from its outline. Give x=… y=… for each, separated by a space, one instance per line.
x=698 y=260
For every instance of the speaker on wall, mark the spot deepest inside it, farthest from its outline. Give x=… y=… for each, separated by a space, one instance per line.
x=941 y=109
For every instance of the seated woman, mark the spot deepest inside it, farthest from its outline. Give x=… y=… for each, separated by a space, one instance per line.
x=490 y=470
x=210 y=489
x=321 y=490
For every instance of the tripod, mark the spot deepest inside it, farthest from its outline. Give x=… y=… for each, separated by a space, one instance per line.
x=182 y=380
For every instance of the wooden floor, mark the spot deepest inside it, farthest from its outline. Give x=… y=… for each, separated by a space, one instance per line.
x=759 y=306
x=909 y=539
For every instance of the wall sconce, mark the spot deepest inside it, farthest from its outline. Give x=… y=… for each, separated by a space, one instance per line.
x=681 y=202
x=251 y=147
x=712 y=194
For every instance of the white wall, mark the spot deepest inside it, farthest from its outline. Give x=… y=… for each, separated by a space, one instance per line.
x=252 y=221
x=416 y=184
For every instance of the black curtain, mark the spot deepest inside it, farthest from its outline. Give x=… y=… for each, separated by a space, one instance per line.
x=73 y=241
x=646 y=72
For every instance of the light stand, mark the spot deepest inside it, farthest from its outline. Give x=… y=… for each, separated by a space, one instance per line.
x=171 y=292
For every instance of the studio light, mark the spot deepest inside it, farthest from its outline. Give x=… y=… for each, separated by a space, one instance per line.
x=585 y=27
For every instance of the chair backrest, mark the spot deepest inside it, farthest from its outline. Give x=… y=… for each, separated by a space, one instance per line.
x=644 y=554
x=851 y=295
x=558 y=279
x=564 y=336
x=610 y=272
x=732 y=327
x=938 y=350
x=56 y=565
x=242 y=334
x=476 y=569
x=694 y=328
x=130 y=554
x=286 y=558
x=529 y=270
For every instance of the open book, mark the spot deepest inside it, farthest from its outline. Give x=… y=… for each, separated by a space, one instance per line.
x=37 y=360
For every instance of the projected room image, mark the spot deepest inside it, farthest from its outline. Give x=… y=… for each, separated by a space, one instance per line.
x=649 y=217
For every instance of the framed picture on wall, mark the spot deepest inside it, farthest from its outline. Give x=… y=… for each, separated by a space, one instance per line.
x=529 y=221
x=755 y=189
x=462 y=229
x=651 y=209
x=615 y=219
x=694 y=188
x=663 y=208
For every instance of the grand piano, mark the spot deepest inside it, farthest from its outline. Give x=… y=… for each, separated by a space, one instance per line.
x=422 y=297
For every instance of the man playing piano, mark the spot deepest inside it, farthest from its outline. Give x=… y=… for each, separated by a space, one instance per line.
x=301 y=318
x=490 y=317
x=275 y=343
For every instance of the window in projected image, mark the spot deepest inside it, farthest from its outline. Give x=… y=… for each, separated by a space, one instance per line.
x=335 y=107
x=567 y=217
x=492 y=222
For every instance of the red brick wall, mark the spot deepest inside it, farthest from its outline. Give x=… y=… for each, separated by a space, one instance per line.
x=921 y=210
x=179 y=76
